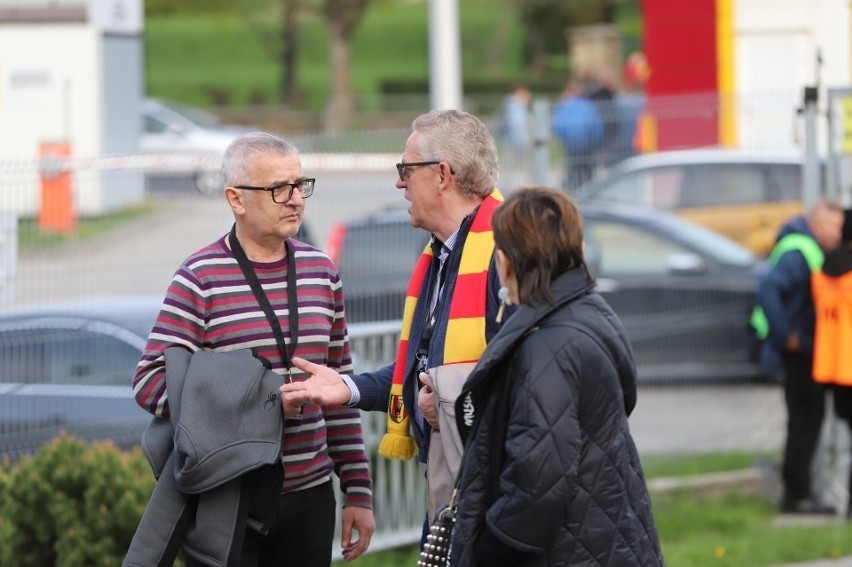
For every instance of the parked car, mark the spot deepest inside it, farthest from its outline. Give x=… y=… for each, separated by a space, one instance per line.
x=374 y=255
x=69 y=368
x=745 y=195
x=171 y=127
x=683 y=292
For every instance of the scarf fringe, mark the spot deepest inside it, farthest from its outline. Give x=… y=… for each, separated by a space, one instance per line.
x=397 y=445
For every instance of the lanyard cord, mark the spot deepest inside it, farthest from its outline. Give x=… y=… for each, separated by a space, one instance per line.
x=293 y=309
x=436 y=282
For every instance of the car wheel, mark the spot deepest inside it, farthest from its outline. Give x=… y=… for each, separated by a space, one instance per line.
x=209 y=182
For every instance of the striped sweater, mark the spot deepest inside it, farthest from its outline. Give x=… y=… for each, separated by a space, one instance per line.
x=210 y=306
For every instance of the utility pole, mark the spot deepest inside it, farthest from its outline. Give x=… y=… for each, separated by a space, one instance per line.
x=445 y=89
x=811 y=191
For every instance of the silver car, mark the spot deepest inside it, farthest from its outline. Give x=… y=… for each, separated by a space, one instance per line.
x=69 y=368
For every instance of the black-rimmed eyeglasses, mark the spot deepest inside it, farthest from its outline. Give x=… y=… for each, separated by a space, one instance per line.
x=402 y=168
x=283 y=192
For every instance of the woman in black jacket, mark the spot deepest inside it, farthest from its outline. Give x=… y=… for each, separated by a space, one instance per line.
x=550 y=474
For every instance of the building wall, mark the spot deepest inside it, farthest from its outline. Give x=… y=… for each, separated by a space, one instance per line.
x=680 y=44
x=70 y=72
x=752 y=88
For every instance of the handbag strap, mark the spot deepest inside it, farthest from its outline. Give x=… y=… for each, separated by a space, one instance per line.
x=263 y=300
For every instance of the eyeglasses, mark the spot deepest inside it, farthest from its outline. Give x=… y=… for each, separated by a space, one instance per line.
x=280 y=193
x=404 y=172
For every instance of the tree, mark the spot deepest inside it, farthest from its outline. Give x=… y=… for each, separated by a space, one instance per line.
x=545 y=23
x=343 y=17
x=497 y=48
x=276 y=22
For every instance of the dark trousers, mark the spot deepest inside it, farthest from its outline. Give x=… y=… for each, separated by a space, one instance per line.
x=805 y=401
x=301 y=535
x=842 y=396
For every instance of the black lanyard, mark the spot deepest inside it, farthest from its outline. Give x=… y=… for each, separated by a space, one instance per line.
x=292 y=303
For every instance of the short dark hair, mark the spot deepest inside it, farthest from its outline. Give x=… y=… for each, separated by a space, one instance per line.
x=541 y=232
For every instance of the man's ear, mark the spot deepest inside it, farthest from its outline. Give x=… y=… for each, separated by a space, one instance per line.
x=445 y=172
x=235 y=199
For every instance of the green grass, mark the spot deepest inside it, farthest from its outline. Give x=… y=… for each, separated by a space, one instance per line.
x=189 y=55
x=679 y=465
x=31 y=237
x=734 y=530
x=738 y=530
x=392 y=558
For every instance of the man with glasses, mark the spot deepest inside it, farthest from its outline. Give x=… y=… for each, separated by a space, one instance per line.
x=448 y=174
x=258 y=288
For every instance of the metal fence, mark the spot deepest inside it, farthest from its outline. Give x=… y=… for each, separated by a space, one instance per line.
x=133 y=219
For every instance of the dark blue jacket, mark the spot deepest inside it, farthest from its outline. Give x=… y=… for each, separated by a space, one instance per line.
x=784 y=293
x=375 y=387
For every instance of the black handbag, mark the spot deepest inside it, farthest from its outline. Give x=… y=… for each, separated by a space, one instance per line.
x=436 y=551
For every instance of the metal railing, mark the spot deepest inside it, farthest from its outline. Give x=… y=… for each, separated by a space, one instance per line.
x=399 y=489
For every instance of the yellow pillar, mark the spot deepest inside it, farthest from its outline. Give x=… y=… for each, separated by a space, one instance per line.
x=725 y=72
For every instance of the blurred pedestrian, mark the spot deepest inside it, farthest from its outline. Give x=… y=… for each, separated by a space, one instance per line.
x=629 y=104
x=832 y=294
x=784 y=321
x=551 y=475
x=448 y=173
x=602 y=92
x=516 y=136
x=261 y=290
x=577 y=124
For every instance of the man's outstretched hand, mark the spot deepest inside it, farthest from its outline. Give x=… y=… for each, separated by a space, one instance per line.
x=323 y=387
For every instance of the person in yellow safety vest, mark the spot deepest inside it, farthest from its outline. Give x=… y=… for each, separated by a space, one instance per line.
x=784 y=297
x=831 y=288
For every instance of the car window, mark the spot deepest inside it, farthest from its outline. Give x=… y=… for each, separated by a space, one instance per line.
x=658 y=187
x=380 y=250
x=703 y=184
x=65 y=356
x=714 y=184
x=619 y=249
x=154 y=126
x=785 y=182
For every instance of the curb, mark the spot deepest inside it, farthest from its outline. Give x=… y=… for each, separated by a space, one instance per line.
x=753 y=480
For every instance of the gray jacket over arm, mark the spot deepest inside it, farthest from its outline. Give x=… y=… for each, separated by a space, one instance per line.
x=217 y=459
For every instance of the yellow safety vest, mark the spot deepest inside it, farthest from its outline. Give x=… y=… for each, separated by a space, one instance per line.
x=814 y=256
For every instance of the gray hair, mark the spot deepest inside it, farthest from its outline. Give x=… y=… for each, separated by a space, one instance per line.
x=463 y=141
x=238 y=155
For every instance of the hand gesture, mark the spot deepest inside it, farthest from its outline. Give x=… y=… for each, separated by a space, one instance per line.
x=426 y=401
x=323 y=387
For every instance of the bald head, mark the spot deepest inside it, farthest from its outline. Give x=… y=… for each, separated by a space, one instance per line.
x=825 y=220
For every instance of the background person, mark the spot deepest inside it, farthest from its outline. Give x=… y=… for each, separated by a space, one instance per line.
x=209 y=305
x=448 y=173
x=831 y=288
x=577 y=124
x=787 y=333
x=516 y=136
x=550 y=474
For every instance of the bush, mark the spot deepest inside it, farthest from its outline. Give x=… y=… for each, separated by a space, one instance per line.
x=73 y=503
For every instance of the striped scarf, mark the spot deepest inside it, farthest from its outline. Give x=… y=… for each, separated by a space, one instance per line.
x=465 y=337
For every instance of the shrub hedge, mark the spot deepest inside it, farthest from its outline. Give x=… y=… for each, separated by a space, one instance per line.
x=73 y=503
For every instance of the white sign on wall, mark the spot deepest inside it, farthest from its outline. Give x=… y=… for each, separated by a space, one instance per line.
x=30 y=83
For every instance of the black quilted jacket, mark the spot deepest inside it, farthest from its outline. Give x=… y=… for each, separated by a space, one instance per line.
x=551 y=476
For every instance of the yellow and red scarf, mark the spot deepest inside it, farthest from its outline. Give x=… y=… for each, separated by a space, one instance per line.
x=465 y=337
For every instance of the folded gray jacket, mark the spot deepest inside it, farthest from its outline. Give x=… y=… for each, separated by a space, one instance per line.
x=217 y=460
